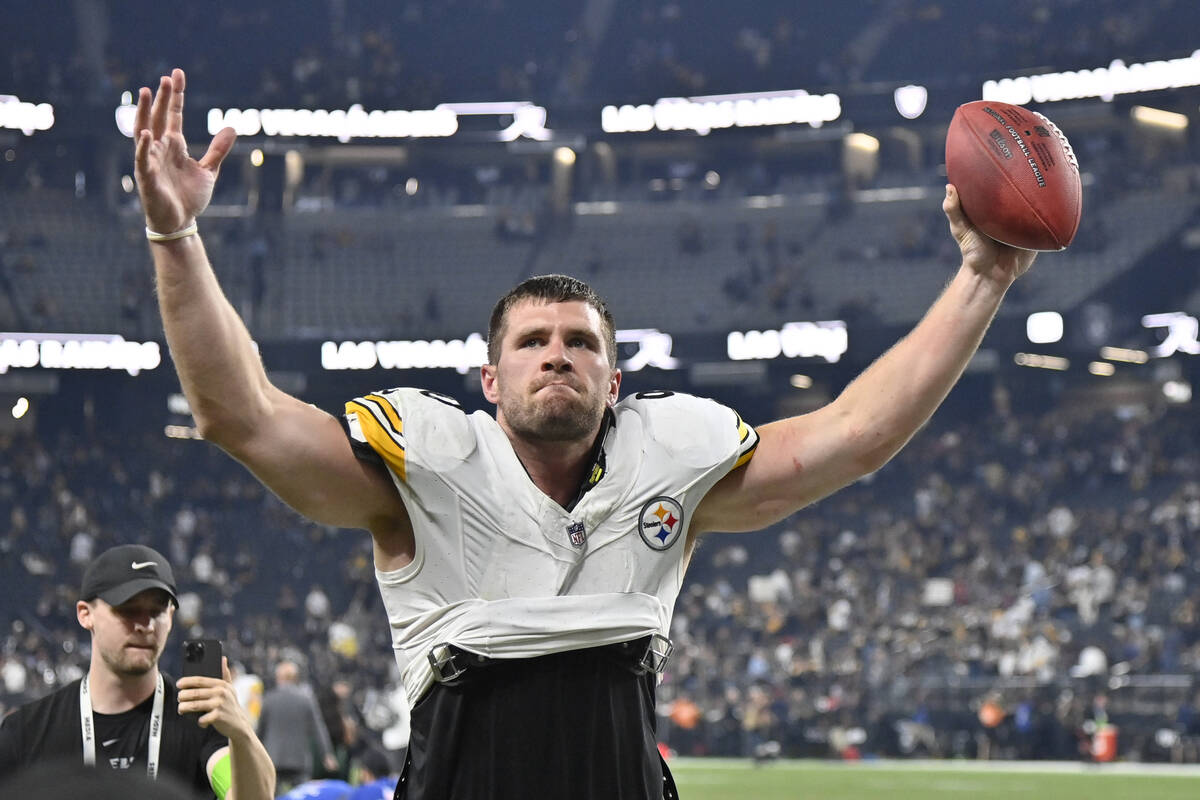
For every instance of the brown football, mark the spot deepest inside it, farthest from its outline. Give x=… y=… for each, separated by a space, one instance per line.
x=1016 y=174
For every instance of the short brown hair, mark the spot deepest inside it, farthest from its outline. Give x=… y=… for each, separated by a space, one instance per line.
x=551 y=289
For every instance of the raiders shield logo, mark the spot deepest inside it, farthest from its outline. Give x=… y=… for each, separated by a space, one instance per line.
x=577 y=534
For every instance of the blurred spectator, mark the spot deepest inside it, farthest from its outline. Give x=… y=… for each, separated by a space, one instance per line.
x=292 y=729
x=377 y=776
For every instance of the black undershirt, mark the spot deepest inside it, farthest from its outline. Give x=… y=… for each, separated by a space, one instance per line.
x=122 y=740
x=48 y=729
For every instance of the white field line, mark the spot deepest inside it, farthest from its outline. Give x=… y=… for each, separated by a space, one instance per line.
x=946 y=765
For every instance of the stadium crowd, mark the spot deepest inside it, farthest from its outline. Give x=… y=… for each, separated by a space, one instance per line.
x=1023 y=563
x=1008 y=580
x=419 y=53
x=992 y=567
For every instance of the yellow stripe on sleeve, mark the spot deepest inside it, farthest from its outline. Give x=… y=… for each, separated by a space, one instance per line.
x=743 y=430
x=389 y=447
x=747 y=438
x=389 y=411
x=744 y=457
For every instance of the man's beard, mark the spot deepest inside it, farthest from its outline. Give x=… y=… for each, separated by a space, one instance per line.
x=556 y=420
x=120 y=664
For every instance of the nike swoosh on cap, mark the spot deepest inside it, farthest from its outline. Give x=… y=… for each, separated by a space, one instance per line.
x=142 y=564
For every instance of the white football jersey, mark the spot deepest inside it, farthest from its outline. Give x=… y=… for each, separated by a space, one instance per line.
x=504 y=571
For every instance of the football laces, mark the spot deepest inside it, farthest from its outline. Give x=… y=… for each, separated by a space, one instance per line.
x=1066 y=146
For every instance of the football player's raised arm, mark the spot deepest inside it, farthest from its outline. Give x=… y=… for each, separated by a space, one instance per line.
x=802 y=459
x=297 y=450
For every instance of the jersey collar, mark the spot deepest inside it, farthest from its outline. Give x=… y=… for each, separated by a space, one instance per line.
x=596 y=458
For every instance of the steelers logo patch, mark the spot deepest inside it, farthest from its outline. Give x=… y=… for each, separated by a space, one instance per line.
x=661 y=522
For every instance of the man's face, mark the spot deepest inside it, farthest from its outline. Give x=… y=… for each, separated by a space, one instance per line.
x=553 y=380
x=130 y=637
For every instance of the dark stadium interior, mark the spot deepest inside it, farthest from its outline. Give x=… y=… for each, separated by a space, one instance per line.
x=1041 y=517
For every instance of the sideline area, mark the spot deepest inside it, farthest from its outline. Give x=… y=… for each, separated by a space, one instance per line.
x=723 y=778
x=948 y=765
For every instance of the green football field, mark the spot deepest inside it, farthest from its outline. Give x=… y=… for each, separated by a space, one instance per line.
x=731 y=779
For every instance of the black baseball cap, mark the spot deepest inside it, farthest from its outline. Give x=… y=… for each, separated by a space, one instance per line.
x=122 y=571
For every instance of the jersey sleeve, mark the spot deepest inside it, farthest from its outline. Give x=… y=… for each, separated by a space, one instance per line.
x=375 y=425
x=747 y=441
x=406 y=428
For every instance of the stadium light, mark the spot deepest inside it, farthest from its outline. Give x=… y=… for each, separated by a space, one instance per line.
x=1177 y=391
x=1159 y=118
x=177 y=403
x=1101 y=368
x=124 y=114
x=1044 y=327
x=1124 y=354
x=20 y=408
x=564 y=156
x=1041 y=362
x=863 y=142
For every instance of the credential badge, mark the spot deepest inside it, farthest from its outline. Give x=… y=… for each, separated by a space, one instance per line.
x=661 y=522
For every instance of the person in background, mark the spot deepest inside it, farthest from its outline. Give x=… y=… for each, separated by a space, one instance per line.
x=124 y=714
x=376 y=779
x=321 y=789
x=291 y=728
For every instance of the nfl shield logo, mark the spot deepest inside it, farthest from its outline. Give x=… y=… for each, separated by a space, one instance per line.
x=577 y=534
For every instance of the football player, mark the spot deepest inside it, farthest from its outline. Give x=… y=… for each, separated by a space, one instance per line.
x=529 y=561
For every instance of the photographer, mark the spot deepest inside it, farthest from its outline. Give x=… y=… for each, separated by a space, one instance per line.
x=126 y=715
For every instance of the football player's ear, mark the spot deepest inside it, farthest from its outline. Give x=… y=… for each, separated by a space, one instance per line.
x=487 y=378
x=614 y=387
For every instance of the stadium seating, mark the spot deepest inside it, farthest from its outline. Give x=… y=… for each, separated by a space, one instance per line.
x=725 y=263
x=1021 y=561
x=970 y=566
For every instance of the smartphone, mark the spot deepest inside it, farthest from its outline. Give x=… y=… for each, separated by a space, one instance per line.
x=202 y=657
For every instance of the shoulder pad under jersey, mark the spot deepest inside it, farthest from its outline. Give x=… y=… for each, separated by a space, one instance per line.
x=695 y=430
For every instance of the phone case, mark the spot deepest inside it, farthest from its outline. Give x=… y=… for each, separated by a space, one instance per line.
x=202 y=657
